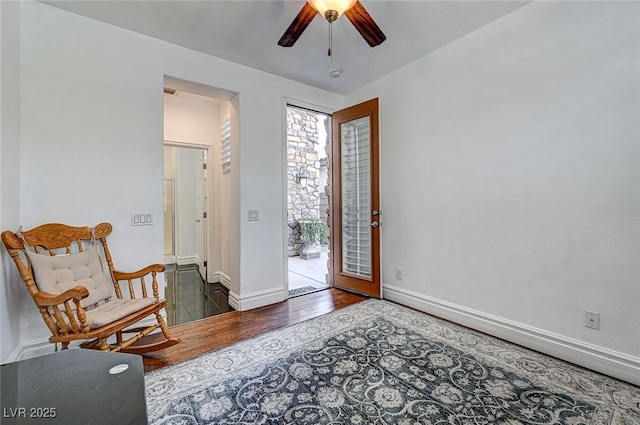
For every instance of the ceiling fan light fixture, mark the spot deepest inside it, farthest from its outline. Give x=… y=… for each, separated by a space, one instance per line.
x=332 y=9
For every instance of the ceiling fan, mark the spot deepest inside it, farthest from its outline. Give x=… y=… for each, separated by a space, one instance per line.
x=332 y=10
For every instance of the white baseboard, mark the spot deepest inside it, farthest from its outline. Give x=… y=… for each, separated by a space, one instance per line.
x=256 y=299
x=223 y=279
x=234 y=301
x=42 y=346
x=213 y=277
x=15 y=354
x=612 y=363
x=191 y=259
x=33 y=348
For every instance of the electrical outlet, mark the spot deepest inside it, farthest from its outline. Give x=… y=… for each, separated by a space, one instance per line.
x=592 y=319
x=398 y=274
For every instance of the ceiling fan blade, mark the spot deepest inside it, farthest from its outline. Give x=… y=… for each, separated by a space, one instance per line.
x=297 y=27
x=365 y=24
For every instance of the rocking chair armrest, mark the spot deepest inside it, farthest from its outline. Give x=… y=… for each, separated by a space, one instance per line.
x=129 y=277
x=120 y=275
x=46 y=299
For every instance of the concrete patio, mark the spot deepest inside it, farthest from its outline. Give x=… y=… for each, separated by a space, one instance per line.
x=308 y=272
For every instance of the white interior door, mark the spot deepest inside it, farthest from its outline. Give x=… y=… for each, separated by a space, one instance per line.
x=201 y=216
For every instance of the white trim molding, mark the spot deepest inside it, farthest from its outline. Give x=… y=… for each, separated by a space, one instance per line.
x=41 y=346
x=223 y=278
x=32 y=348
x=256 y=299
x=612 y=363
x=190 y=259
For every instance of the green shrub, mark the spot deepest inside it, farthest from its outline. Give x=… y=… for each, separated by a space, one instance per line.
x=312 y=230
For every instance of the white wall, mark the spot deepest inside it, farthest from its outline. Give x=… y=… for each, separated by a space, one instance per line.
x=11 y=287
x=92 y=99
x=511 y=177
x=190 y=119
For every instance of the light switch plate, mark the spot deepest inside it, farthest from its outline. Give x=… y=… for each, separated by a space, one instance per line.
x=253 y=215
x=142 y=219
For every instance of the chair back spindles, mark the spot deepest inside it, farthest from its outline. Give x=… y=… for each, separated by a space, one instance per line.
x=71 y=317
x=60 y=320
x=132 y=292
x=144 y=287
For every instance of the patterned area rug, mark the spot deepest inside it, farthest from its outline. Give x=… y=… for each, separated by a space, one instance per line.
x=379 y=363
x=304 y=291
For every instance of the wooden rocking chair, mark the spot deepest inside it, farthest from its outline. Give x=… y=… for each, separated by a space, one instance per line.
x=63 y=272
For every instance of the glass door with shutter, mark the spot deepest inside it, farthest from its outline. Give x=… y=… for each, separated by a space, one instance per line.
x=355 y=204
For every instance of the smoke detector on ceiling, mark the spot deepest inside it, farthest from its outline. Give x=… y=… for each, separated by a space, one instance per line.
x=335 y=73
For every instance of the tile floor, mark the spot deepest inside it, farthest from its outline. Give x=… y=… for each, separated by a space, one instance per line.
x=308 y=272
x=189 y=298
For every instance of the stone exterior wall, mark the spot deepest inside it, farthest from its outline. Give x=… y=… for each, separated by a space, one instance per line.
x=324 y=199
x=302 y=138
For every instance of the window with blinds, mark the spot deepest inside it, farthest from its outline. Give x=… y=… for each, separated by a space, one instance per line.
x=356 y=197
x=226 y=146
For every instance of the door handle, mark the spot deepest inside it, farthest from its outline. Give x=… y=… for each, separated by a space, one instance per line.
x=375 y=224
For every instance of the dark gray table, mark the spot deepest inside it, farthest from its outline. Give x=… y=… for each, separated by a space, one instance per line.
x=73 y=387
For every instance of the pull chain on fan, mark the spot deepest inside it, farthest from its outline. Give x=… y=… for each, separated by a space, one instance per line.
x=331 y=15
x=329 y=52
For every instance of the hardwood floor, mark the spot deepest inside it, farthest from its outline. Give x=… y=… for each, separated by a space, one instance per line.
x=219 y=331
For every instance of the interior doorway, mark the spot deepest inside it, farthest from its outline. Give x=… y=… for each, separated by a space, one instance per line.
x=200 y=134
x=308 y=137
x=185 y=207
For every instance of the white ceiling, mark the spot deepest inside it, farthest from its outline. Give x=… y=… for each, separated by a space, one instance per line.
x=247 y=32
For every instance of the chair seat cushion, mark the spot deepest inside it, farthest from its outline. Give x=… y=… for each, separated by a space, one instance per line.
x=114 y=310
x=58 y=273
